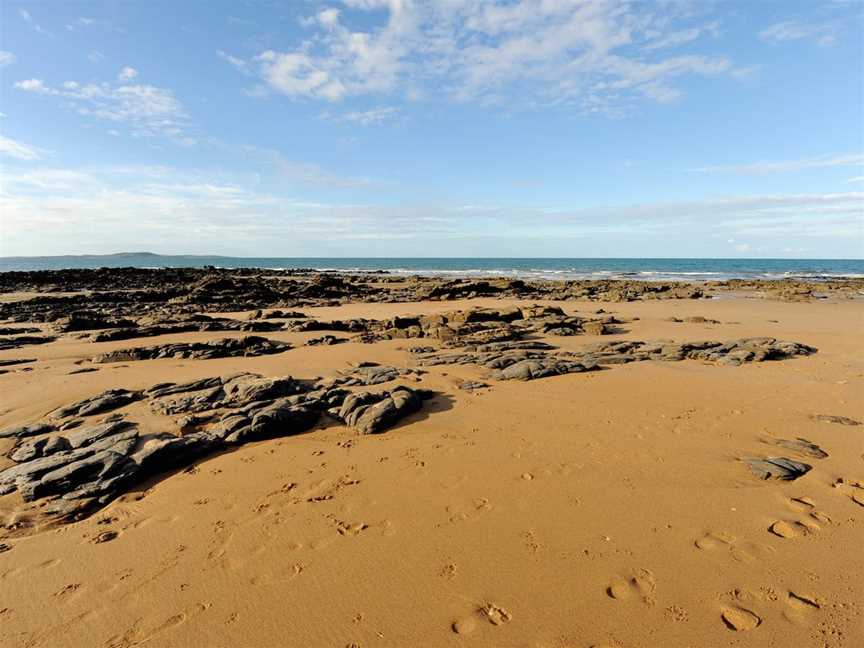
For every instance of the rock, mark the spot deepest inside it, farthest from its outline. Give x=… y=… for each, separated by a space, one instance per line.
x=280 y=418
x=29 y=450
x=777 y=468
x=228 y=347
x=24 y=340
x=826 y=418
x=325 y=340
x=88 y=320
x=595 y=328
x=164 y=389
x=167 y=451
x=246 y=388
x=23 y=431
x=373 y=412
x=799 y=445
x=104 y=402
x=371 y=375
x=88 y=435
x=531 y=369
x=16 y=361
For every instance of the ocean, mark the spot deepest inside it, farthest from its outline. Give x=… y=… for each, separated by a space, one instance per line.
x=645 y=269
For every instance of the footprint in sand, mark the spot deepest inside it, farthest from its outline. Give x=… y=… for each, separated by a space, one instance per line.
x=142 y=632
x=782 y=529
x=643 y=585
x=801 y=608
x=740 y=619
x=714 y=540
x=788 y=530
x=494 y=614
x=464 y=626
x=346 y=529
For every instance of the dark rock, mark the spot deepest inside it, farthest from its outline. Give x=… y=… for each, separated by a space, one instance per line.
x=777 y=468
x=23 y=431
x=826 y=418
x=16 y=361
x=326 y=340
x=88 y=435
x=374 y=412
x=104 y=402
x=799 y=445
x=228 y=347
x=24 y=340
x=280 y=418
x=89 y=320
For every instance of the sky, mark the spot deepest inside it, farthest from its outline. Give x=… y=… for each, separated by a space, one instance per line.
x=441 y=128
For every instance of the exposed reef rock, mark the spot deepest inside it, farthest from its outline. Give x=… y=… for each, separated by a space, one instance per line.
x=225 y=348
x=528 y=360
x=75 y=473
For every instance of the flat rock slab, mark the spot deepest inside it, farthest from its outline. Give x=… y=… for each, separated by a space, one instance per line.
x=777 y=468
x=226 y=348
x=799 y=445
x=839 y=420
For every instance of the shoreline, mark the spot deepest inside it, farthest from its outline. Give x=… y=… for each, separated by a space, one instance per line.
x=248 y=458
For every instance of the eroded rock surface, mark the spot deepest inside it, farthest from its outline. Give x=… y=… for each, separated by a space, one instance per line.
x=228 y=347
x=778 y=468
x=526 y=360
x=81 y=470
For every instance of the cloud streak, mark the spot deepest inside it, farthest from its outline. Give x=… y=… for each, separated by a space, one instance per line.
x=163 y=205
x=18 y=150
x=788 y=166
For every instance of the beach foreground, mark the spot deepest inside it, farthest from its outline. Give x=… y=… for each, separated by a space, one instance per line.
x=532 y=483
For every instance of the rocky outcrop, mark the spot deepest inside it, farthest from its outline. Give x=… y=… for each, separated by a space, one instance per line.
x=24 y=340
x=373 y=412
x=527 y=360
x=88 y=320
x=225 y=348
x=73 y=473
x=104 y=402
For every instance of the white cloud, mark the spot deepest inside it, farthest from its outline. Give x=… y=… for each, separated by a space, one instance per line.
x=18 y=150
x=370 y=117
x=127 y=74
x=32 y=85
x=147 y=110
x=678 y=38
x=758 y=168
x=792 y=30
x=6 y=58
x=81 y=23
x=61 y=210
x=597 y=55
x=27 y=17
x=238 y=63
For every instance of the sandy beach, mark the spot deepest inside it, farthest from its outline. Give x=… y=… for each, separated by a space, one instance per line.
x=612 y=507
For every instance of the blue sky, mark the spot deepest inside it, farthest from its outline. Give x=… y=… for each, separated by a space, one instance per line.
x=561 y=128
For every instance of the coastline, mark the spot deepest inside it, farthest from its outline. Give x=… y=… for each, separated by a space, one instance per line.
x=589 y=507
